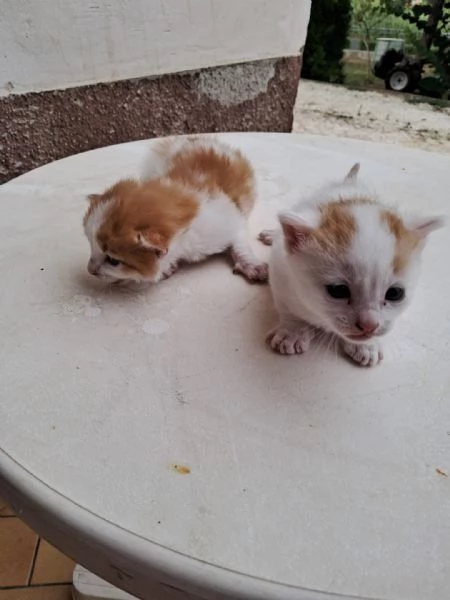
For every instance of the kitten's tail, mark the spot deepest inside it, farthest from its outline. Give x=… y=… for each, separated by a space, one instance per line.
x=353 y=173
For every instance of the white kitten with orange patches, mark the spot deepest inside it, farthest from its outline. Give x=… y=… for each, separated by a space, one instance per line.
x=342 y=263
x=192 y=202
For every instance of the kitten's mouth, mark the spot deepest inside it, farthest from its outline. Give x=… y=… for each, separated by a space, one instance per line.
x=361 y=337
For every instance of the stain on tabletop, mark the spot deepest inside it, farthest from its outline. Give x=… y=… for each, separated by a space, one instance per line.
x=441 y=472
x=180 y=469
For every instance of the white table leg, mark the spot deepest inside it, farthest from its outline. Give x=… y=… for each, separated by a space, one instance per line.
x=87 y=586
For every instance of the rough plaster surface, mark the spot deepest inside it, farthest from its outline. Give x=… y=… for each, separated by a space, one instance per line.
x=234 y=84
x=38 y=128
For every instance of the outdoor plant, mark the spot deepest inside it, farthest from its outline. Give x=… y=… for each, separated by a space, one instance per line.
x=433 y=20
x=327 y=38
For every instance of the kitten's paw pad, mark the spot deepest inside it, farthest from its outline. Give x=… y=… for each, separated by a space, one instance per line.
x=366 y=355
x=171 y=269
x=254 y=272
x=266 y=236
x=286 y=341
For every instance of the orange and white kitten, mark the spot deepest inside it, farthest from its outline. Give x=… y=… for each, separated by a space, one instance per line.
x=192 y=201
x=344 y=264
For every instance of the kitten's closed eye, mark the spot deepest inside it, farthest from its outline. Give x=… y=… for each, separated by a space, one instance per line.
x=112 y=261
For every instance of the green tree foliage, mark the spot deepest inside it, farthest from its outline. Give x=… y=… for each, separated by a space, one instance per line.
x=395 y=7
x=432 y=18
x=327 y=37
x=368 y=15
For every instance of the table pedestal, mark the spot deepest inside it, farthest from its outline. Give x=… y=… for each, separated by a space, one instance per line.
x=87 y=586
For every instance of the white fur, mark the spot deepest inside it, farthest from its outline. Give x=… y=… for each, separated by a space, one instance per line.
x=91 y=227
x=217 y=227
x=299 y=278
x=157 y=162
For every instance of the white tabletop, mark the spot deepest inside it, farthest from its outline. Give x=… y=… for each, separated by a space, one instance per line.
x=292 y=472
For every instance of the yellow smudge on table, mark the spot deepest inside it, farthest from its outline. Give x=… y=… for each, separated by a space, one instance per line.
x=180 y=469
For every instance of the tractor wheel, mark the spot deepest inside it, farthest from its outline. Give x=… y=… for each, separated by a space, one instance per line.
x=400 y=80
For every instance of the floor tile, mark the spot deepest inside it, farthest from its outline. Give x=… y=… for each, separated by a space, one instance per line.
x=5 y=511
x=51 y=566
x=17 y=546
x=53 y=592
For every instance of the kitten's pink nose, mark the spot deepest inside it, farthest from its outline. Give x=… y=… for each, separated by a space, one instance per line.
x=92 y=268
x=367 y=325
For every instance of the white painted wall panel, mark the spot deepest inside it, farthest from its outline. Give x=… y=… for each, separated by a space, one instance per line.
x=54 y=44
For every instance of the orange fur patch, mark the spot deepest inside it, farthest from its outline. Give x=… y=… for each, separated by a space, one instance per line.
x=406 y=241
x=119 y=189
x=154 y=212
x=206 y=169
x=337 y=226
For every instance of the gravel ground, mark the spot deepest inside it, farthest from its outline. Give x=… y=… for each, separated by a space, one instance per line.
x=375 y=116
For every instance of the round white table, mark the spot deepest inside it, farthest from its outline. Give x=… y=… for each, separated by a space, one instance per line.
x=153 y=436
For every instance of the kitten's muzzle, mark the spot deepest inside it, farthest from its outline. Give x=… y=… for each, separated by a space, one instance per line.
x=93 y=268
x=367 y=326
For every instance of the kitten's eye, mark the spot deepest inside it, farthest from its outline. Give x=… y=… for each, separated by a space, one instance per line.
x=112 y=261
x=338 y=291
x=395 y=294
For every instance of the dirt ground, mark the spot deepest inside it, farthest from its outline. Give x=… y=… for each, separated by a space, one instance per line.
x=366 y=115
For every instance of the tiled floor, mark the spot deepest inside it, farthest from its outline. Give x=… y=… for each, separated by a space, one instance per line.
x=30 y=569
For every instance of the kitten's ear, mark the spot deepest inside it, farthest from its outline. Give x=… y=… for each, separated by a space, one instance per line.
x=423 y=226
x=152 y=241
x=93 y=197
x=353 y=173
x=297 y=228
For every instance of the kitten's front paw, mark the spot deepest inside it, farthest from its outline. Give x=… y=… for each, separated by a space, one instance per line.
x=171 y=269
x=131 y=285
x=288 y=341
x=121 y=282
x=254 y=272
x=366 y=355
x=266 y=236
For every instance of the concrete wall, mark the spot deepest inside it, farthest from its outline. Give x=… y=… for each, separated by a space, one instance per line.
x=56 y=44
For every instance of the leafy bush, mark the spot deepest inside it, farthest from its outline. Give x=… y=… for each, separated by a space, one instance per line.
x=433 y=20
x=327 y=38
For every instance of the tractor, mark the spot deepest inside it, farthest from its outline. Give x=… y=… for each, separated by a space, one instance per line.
x=404 y=73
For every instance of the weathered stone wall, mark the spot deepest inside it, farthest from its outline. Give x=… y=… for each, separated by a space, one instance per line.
x=37 y=128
